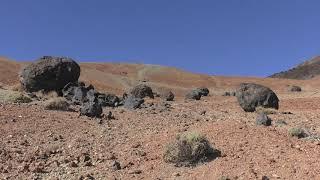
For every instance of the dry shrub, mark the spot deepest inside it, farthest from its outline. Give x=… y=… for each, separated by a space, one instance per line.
x=17 y=87
x=57 y=103
x=298 y=132
x=9 y=96
x=189 y=149
x=43 y=95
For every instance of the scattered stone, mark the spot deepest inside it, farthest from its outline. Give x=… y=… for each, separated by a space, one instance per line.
x=115 y=165
x=263 y=119
x=203 y=91
x=137 y=171
x=49 y=73
x=167 y=95
x=295 y=88
x=141 y=91
x=252 y=95
x=91 y=109
x=193 y=95
x=203 y=112
x=265 y=178
x=132 y=102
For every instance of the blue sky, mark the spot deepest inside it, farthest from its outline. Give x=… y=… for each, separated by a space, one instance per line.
x=216 y=37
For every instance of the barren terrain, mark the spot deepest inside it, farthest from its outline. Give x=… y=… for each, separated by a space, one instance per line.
x=42 y=144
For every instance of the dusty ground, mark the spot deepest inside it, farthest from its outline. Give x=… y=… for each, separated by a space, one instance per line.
x=42 y=144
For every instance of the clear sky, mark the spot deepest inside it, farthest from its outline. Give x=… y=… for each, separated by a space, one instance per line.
x=217 y=37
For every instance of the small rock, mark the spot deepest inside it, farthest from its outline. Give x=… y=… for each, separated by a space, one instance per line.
x=263 y=119
x=137 y=171
x=115 y=165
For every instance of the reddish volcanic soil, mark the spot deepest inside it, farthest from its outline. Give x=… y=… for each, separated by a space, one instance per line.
x=42 y=144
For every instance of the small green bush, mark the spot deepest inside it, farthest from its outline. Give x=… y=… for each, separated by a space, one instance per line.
x=189 y=149
x=58 y=103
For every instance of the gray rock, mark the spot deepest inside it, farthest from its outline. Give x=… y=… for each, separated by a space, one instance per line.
x=203 y=91
x=263 y=119
x=91 y=109
x=167 y=95
x=295 y=89
x=49 y=73
x=252 y=95
x=132 y=102
x=193 y=95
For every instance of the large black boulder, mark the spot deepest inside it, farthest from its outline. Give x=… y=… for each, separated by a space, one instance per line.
x=49 y=73
x=252 y=95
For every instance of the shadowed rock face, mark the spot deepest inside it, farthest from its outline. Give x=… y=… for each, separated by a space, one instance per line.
x=252 y=95
x=49 y=73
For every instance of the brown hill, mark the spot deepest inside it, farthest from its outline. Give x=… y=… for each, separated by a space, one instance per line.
x=119 y=77
x=306 y=70
x=41 y=144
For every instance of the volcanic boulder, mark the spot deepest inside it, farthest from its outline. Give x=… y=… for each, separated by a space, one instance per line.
x=132 y=102
x=263 y=119
x=91 y=109
x=142 y=91
x=49 y=73
x=252 y=95
x=203 y=91
x=193 y=95
x=295 y=88
x=77 y=93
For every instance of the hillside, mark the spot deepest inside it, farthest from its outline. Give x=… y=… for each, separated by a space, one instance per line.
x=49 y=144
x=306 y=70
x=119 y=77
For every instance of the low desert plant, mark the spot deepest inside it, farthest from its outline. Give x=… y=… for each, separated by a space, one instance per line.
x=17 y=87
x=43 y=95
x=8 y=96
x=189 y=149
x=266 y=111
x=58 y=103
x=298 y=132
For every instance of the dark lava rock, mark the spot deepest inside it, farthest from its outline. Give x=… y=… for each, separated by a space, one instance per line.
x=91 y=109
x=132 y=102
x=252 y=95
x=109 y=100
x=203 y=91
x=295 y=89
x=49 y=73
x=263 y=119
x=194 y=95
x=142 y=91
x=75 y=92
x=167 y=95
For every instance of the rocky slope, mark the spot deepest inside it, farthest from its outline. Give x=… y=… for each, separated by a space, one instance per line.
x=306 y=70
